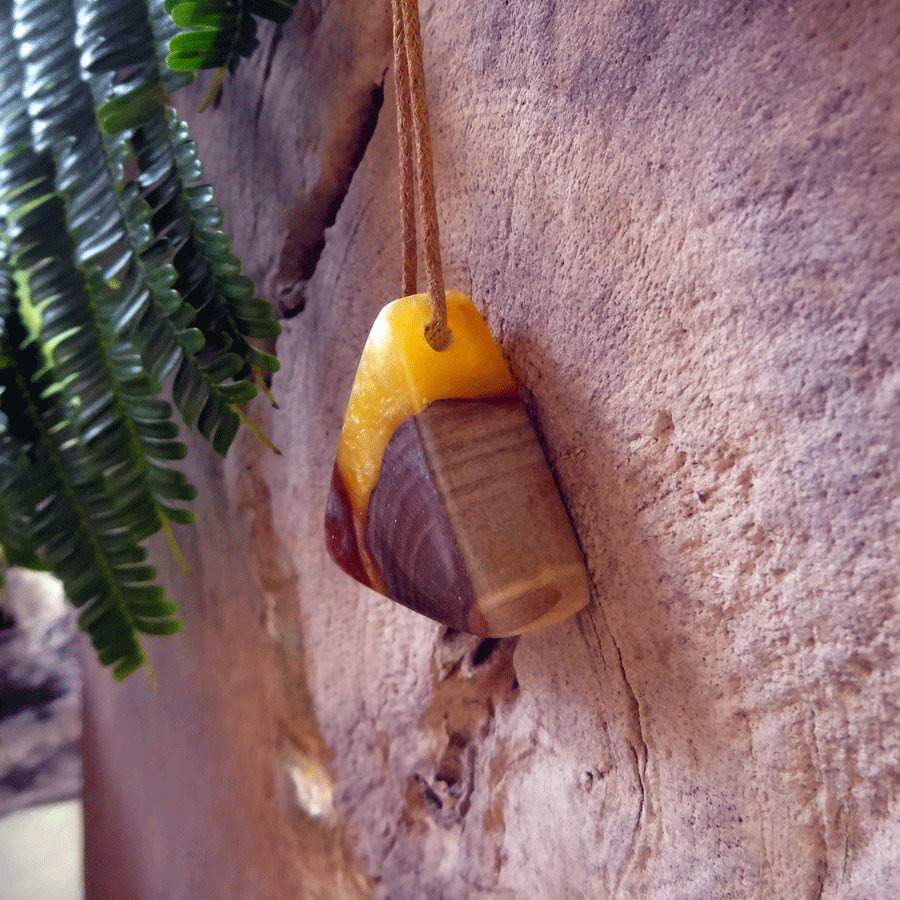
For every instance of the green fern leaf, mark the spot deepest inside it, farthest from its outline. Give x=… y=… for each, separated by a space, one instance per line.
x=106 y=289
x=86 y=474
x=152 y=308
x=75 y=294
x=225 y=308
x=72 y=527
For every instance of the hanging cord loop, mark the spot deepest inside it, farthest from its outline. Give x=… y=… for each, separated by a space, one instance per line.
x=412 y=122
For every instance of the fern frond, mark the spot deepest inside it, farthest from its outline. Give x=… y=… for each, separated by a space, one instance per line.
x=107 y=288
x=217 y=34
x=151 y=311
x=224 y=303
x=210 y=372
x=75 y=523
x=94 y=481
x=68 y=288
x=210 y=364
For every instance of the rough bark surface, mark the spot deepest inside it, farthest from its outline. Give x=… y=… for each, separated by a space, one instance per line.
x=682 y=222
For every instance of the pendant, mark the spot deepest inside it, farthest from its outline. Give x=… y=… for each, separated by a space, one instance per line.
x=441 y=497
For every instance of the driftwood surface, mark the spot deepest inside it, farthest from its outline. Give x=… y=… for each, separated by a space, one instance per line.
x=681 y=221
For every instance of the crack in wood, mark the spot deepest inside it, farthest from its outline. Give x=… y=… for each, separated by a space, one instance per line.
x=353 y=125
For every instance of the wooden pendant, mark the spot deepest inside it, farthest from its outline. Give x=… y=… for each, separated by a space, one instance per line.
x=441 y=498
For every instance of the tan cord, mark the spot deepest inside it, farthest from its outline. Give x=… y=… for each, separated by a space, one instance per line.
x=406 y=25
x=407 y=159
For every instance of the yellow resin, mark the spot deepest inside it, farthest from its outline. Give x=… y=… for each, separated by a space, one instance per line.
x=399 y=375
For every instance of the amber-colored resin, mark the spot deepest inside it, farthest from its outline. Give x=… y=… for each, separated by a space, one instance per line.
x=399 y=375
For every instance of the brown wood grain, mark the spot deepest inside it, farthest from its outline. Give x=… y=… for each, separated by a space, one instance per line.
x=516 y=539
x=412 y=539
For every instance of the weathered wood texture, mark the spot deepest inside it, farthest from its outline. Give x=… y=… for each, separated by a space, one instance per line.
x=682 y=223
